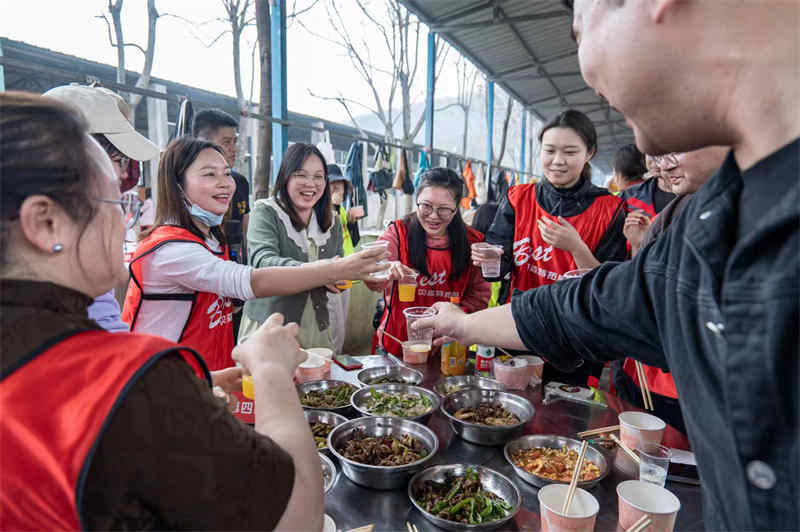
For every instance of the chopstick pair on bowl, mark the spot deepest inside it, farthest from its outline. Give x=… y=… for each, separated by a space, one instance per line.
x=576 y=475
x=610 y=431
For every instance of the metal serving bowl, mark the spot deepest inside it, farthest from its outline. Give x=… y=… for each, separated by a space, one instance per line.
x=324 y=416
x=311 y=386
x=491 y=481
x=329 y=474
x=483 y=434
x=381 y=477
x=466 y=382
x=360 y=398
x=554 y=442
x=401 y=373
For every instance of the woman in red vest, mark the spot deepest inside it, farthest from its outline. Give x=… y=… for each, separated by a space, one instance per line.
x=434 y=241
x=104 y=430
x=182 y=282
x=562 y=223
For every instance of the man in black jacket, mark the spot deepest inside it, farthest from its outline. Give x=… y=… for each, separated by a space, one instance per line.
x=715 y=299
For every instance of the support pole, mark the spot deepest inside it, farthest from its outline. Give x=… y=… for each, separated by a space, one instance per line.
x=280 y=132
x=430 y=89
x=490 y=131
x=2 y=72
x=522 y=146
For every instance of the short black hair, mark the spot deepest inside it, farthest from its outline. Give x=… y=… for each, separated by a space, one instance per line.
x=568 y=4
x=629 y=163
x=207 y=122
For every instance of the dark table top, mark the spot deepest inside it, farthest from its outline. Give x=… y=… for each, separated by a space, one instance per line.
x=352 y=506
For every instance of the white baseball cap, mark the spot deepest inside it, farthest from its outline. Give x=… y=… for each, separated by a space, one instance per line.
x=106 y=111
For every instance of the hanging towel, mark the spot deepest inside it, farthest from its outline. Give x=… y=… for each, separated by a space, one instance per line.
x=381 y=178
x=354 y=174
x=423 y=165
x=469 y=179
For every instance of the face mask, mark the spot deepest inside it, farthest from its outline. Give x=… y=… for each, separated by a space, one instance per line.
x=206 y=217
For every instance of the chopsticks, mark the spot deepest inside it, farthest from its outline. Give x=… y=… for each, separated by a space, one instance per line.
x=411 y=528
x=601 y=430
x=645 y=388
x=625 y=448
x=392 y=337
x=643 y=522
x=576 y=475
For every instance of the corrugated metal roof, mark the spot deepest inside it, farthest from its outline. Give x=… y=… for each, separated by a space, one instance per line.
x=526 y=47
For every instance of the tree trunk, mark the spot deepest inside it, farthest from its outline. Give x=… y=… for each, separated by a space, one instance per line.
x=466 y=132
x=144 y=80
x=116 y=16
x=498 y=161
x=264 y=149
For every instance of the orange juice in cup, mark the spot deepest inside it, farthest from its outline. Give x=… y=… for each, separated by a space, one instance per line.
x=416 y=351
x=407 y=287
x=247 y=387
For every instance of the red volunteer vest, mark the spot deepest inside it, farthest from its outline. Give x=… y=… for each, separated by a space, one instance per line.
x=209 y=328
x=56 y=405
x=658 y=381
x=537 y=263
x=438 y=287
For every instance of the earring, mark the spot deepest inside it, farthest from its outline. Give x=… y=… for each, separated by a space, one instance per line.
x=57 y=248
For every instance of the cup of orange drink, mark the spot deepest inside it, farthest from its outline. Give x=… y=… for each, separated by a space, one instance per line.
x=416 y=351
x=247 y=387
x=344 y=285
x=407 y=287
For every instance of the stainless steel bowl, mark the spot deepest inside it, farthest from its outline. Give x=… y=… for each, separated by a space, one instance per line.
x=311 y=386
x=465 y=382
x=360 y=398
x=381 y=477
x=400 y=373
x=324 y=416
x=483 y=434
x=491 y=480
x=554 y=442
x=329 y=473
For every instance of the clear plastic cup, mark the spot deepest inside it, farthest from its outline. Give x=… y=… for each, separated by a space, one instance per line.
x=412 y=314
x=654 y=463
x=489 y=268
x=383 y=244
x=407 y=288
x=416 y=352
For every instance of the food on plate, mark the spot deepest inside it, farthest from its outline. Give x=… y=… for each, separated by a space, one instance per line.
x=493 y=415
x=397 y=404
x=334 y=397
x=320 y=431
x=453 y=388
x=554 y=464
x=386 y=379
x=462 y=499
x=383 y=450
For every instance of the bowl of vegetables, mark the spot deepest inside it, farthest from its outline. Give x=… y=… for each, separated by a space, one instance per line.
x=455 y=383
x=330 y=395
x=382 y=452
x=464 y=497
x=396 y=400
x=322 y=423
x=487 y=417
x=389 y=375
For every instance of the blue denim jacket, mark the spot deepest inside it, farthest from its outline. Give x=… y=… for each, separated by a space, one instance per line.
x=722 y=315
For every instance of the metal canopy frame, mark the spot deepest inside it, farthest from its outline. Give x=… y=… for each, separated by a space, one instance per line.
x=525 y=47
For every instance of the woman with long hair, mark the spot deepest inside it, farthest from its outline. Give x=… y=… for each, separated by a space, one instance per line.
x=295 y=228
x=434 y=242
x=182 y=281
x=116 y=431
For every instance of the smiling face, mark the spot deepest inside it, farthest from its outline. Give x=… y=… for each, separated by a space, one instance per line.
x=208 y=182
x=564 y=154
x=436 y=207
x=307 y=185
x=695 y=168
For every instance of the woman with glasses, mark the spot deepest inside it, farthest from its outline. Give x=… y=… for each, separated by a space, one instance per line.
x=106 y=431
x=295 y=228
x=645 y=200
x=434 y=242
x=182 y=281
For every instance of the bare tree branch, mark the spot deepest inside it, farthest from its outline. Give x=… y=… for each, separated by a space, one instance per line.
x=296 y=13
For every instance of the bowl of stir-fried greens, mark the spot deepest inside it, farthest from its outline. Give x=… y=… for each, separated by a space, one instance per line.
x=464 y=497
x=396 y=400
x=487 y=417
x=322 y=423
x=328 y=395
x=382 y=452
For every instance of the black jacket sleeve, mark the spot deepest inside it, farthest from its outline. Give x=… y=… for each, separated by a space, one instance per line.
x=613 y=244
x=501 y=233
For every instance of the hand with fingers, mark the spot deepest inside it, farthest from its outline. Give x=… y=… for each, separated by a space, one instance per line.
x=273 y=344
x=361 y=264
x=447 y=324
x=229 y=379
x=636 y=225
x=560 y=234
x=485 y=253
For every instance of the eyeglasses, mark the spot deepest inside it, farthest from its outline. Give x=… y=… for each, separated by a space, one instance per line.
x=426 y=209
x=131 y=207
x=666 y=162
x=122 y=160
x=318 y=179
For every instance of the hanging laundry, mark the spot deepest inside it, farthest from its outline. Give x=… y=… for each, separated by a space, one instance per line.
x=469 y=180
x=381 y=178
x=423 y=165
x=355 y=175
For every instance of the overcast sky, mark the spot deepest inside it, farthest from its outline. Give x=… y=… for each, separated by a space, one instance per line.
x=183 y=54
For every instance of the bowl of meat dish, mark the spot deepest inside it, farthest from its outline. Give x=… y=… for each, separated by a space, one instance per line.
x=396 y=400
x=487 y=417
x=322 y=423
x=389 y=375
x=328 y=395
x=382 y=452
x=328 y=472
x=542 y=459
x=447 y=385
x=464 y=497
